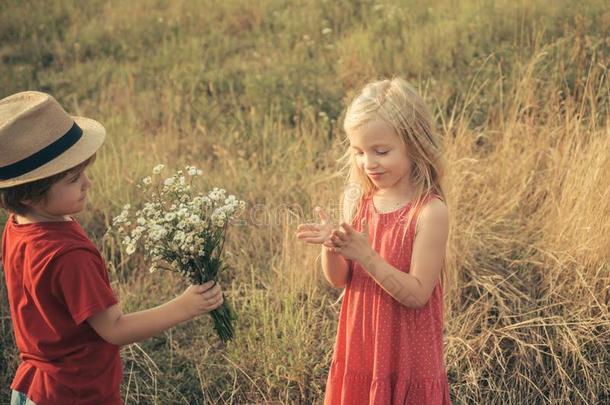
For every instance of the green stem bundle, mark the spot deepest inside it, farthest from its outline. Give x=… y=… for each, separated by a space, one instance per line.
x=202 y=271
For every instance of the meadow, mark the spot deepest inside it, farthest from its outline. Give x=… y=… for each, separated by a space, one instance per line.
x=254 y=93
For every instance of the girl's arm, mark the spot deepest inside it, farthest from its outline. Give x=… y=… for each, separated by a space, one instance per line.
x=413 y=289
x=335 y=268
x=119 y=329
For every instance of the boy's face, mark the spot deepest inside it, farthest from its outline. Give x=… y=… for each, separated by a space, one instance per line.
x=66 y=197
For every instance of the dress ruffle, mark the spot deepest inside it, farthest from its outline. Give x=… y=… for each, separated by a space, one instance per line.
x=365 y=389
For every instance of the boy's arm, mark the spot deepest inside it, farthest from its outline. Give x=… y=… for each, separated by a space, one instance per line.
x=119 y=329
x=335 y=268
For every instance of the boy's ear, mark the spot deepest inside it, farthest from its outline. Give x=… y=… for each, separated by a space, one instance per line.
x=27 y=202
x=31 y=203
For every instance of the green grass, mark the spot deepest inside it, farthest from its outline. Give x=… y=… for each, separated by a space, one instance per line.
x=253 y=92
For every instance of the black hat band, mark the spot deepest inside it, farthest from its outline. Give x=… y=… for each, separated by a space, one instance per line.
x=43 y=156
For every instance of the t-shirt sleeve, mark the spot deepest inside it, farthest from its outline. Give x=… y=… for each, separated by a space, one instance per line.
x=82 y=282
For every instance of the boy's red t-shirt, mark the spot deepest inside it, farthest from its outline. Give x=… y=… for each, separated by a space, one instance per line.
x=56 y=279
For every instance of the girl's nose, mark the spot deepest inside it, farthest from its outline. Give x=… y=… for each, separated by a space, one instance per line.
x=369 y=162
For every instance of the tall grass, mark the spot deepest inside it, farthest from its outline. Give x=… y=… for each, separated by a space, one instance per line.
x=253 y=92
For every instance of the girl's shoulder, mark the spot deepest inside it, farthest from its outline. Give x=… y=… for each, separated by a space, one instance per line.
x=434 y=212
x=435 y=202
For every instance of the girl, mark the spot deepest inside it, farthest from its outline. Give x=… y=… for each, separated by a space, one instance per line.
x=388 y=254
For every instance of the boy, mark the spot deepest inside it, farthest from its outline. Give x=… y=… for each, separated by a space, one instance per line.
x=67 y=322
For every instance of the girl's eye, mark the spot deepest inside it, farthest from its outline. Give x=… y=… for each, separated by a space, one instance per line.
x=75 y=179
x=385 y=152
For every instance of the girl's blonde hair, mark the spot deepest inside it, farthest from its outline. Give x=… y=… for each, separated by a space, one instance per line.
x=399 y=105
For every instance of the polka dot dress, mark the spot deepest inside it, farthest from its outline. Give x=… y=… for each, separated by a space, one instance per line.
x=386 y=353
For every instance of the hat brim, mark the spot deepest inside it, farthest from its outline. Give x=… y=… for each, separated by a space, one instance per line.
x=93 y=137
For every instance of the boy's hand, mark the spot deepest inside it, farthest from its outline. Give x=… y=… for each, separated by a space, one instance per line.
x=200 y=299
x=316 y=233
x=119 y=329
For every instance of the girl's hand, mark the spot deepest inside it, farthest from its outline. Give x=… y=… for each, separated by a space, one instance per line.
x=315 y=233
x=201 y=299
x=351 y=244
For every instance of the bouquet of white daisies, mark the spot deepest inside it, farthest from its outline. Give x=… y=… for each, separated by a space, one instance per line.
x=182 y=230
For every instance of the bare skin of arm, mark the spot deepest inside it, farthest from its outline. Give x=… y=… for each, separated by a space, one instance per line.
x=334 y=266
x=411 y=289
x=122 y=329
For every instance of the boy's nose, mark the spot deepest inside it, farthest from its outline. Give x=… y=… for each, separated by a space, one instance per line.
x=87 y=182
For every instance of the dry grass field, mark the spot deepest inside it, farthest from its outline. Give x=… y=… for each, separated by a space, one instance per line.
x=254 y=92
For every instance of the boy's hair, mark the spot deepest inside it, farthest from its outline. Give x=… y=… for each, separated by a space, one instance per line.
x=12 y=198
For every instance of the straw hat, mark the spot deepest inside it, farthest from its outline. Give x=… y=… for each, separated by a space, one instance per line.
x=39 y=139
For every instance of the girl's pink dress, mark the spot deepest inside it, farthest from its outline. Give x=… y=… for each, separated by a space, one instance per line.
x=386 y=353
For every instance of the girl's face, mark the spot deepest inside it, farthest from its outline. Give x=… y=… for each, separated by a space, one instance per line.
x=66 y=197
x=381 y=155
